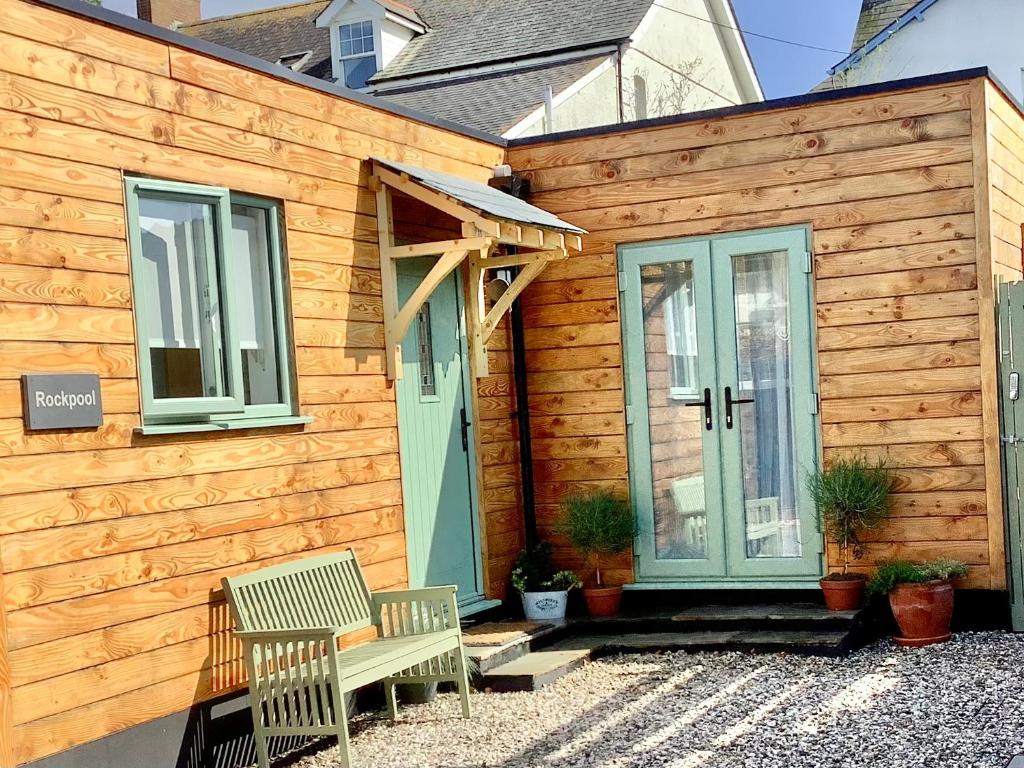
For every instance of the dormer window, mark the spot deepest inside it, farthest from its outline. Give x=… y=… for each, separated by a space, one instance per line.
x=358 y=53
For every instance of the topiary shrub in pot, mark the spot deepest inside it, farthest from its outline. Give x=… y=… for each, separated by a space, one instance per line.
x=598 y=525
x=852 y=497
x=921 y=597
x=544 y=590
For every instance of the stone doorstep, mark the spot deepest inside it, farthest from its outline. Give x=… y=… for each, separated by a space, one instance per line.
x=488 y=657
x=534 y=670
x=828 y=643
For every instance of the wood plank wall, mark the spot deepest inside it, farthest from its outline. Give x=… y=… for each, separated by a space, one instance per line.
x=888 y=183
x=113 y=544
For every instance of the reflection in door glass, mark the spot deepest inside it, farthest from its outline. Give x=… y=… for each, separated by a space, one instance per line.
x=677 y=464
x=768 y=450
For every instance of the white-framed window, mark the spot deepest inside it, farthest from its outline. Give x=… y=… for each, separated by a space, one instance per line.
x=681 y=341
x=208 y=281
x=357 y=53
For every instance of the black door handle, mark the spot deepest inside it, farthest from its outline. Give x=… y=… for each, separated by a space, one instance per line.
x=465 y=430
x=706 y=404
x=729 y=403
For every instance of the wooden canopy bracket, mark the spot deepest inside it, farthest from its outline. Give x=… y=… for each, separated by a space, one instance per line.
x=479 y=237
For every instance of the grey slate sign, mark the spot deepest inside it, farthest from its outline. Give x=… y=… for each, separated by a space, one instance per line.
x=61 y=400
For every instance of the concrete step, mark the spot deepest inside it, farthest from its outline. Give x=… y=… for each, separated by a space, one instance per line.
x=726 y=618
x=487 y=649
x=534 y=670
x=808 y=643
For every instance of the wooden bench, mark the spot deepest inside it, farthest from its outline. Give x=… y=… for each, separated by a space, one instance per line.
x=290 y=617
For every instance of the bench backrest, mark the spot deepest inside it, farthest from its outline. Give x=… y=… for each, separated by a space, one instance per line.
x=325 y=591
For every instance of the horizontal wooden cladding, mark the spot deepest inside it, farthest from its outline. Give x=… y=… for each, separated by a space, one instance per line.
x=952 y=354
x=716 y=198
x=800 y=146
x=892 y=308
x=301 y=524
x=910 y=430
x=898 y=333
x=899 y=258
x=888 y=407
x=49 y=248
x=934 y=279
x=134 y=500
x=208 y=454
x=893 y=383
x=854 y=111
x=954 y=453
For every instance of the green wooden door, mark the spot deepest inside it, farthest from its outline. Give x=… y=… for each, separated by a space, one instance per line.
x=721 y=404
x=435 y=440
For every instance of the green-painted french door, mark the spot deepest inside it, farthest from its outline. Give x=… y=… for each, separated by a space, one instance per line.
x=436 y=441
x=721 y=407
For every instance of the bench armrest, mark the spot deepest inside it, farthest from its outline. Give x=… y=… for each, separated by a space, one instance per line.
x=312 y=633
x=399 y=622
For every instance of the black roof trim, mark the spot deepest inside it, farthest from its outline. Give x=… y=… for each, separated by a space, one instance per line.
x=198 y=45
x=577 y=51
x=764 y=106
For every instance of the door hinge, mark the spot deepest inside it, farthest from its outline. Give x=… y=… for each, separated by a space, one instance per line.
x=815 y=403
x=629 y=415
x=808 y=262
x=622 y=282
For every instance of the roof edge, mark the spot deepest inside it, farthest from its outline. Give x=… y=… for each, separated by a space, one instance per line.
x=889 y=86
x=916 y=12
x=231 y=56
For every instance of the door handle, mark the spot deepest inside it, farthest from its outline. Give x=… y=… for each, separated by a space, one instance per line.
x=465 y=430
x=729 y=403
x=706 y=404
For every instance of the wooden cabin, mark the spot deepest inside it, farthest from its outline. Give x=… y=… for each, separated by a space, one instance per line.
x=830 y=257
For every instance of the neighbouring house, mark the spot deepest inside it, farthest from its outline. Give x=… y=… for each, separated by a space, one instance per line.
x=506 y=68
x=910 y=38
x=279 y=284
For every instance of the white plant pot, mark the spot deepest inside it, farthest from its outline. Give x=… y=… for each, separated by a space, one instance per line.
x=544 y=606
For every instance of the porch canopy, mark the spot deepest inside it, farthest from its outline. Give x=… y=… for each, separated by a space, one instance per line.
x=499 y=231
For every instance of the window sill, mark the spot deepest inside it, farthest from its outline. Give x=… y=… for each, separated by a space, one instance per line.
x=221 y=426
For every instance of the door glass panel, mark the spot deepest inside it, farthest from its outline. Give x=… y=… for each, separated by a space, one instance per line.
x=677 y=463
x=766 y=420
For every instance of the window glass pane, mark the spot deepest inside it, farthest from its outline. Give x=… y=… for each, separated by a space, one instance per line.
x=359 y=71
x=425 y=347
x=181 y=316
x=356 y=38
x=254 y=304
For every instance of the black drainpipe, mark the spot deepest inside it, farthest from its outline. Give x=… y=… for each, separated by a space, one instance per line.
x=522 y=414
x=520 y=187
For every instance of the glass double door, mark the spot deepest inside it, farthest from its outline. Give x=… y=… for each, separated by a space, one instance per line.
x=721 y=407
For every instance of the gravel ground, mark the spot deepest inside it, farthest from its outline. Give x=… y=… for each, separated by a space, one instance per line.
x=958 y=705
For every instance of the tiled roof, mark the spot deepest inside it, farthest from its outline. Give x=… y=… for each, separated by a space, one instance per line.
x=876 y=15
x=272 y=33
x=467 y=33
x=494 y=102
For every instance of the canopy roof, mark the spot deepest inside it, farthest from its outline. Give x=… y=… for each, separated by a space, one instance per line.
x=492 y=203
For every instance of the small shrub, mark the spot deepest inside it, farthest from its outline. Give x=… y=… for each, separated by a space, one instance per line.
x=534 y=572
x=851 y=496
x=598 y=525
x=896 y=572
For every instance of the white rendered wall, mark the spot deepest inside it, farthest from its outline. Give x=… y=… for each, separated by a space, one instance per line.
x=955 y=34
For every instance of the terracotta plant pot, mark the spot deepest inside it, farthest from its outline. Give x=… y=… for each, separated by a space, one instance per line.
x=843 y=594
x=603 y=601
x=923 y=612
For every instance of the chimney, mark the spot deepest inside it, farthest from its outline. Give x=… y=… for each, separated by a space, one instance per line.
x=169 y=13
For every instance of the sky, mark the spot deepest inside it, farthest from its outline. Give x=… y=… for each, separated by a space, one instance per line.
x=785 y=70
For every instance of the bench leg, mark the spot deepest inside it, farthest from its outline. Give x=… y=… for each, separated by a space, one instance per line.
x=389 y=697
x=341 y=721
x=262 y=753
x=463 y=679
